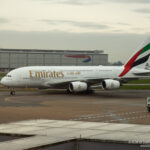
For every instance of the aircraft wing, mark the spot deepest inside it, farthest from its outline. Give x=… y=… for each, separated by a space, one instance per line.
x=62 y=84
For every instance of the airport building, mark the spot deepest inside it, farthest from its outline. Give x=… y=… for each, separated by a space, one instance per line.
x=14 y=58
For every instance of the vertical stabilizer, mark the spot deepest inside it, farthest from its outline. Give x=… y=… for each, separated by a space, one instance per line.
x=139 y=58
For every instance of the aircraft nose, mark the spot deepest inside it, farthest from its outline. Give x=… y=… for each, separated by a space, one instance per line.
x=3 y=81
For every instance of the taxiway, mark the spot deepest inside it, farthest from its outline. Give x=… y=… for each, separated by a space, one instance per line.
x=118 y=106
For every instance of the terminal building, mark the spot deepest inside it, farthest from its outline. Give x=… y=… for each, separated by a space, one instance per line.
x=14 y=58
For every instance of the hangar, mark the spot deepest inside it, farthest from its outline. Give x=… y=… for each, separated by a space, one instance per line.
x=14 y=58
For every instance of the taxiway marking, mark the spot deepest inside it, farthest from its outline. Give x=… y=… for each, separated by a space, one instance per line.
x=96 y=116
x=130 y=118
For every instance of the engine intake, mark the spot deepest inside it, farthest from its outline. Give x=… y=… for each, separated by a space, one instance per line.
x=78 y=86
x=110 y=84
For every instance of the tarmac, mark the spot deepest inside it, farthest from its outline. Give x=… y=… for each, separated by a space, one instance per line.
x=73 y=135
x=117 y=106
x=55 y=120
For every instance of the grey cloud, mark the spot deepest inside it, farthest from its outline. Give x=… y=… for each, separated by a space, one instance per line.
x=146 y=11
x=131 y=1
x=74 y=2
x=123 y=24
x=92 y=2
x=3 y=20
x=82 y=2
x=118 y=46
x=90 y=25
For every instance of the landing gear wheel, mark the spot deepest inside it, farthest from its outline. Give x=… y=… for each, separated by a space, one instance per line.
x=68 y=91
x=12 y=92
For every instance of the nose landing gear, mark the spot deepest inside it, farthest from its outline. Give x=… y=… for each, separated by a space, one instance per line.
x=12 y=92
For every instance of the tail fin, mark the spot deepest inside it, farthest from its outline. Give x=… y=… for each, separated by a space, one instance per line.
x=139 y=58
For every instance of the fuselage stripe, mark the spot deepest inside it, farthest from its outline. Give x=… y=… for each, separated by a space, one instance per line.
x=128 y=66
x=140 y=61
x=132 y=62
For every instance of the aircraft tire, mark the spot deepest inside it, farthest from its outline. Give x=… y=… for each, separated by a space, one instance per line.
x=12 y=92
x=68 y=91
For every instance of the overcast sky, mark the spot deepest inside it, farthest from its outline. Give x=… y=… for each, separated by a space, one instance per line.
x=115 y=26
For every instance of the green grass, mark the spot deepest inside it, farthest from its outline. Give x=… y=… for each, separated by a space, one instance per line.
x=2 y=74
x=135 y=87
x=141 y=81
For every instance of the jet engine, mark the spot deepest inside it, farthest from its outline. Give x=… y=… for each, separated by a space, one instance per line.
x=110 y=84
x=78 y=86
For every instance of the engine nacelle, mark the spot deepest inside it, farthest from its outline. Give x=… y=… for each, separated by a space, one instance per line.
x=78 y=86
x=110 y=84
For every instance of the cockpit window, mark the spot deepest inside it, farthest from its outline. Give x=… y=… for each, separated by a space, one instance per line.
x=8 y=75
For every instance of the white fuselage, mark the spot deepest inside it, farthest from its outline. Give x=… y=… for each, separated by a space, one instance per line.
x=49 y=76
x=80 y=78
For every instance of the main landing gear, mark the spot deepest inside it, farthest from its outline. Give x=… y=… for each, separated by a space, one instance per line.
x=88 y=91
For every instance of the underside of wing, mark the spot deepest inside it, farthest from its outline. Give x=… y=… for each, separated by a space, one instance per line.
x=65 y=84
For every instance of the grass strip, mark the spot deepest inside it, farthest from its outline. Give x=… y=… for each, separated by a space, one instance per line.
x=135 y=87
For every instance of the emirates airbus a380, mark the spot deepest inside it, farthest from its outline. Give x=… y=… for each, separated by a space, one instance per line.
x=80 y=78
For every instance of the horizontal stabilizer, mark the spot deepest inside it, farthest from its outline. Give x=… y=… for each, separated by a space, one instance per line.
x=142 y=73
